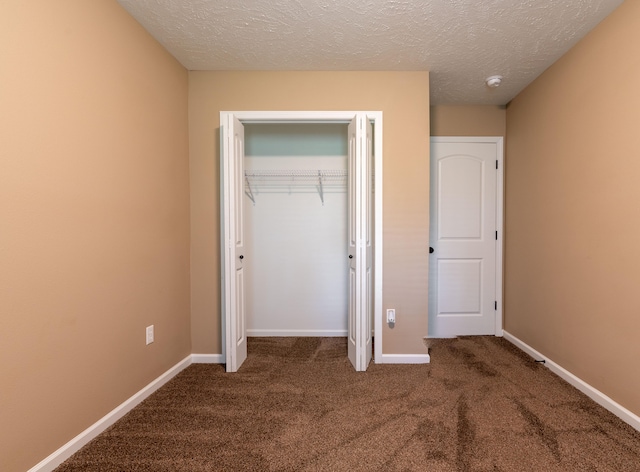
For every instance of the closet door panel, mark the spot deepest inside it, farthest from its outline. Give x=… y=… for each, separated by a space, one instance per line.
x=353 y=225
x=234 y=273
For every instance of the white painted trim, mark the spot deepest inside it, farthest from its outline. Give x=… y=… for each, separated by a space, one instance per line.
x=596 y=395
x=466 y=139
x=297 y=116
x=500 y=228
x=406 y=359
x=499 y=142
x=377 y=235
x=207 y=358
x=297 y=332
x=52 y=461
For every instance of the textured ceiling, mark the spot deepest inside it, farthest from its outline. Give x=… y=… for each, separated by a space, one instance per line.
x=461 y=42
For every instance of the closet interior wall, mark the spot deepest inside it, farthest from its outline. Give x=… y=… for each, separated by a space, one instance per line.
x=295 y=219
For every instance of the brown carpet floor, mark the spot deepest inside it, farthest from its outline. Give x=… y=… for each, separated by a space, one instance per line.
x=297 y=405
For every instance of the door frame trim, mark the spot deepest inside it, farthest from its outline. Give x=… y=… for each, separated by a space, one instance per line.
x=499 y=142
x=338 y=117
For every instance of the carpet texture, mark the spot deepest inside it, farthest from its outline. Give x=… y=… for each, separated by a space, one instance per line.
x=297 y=405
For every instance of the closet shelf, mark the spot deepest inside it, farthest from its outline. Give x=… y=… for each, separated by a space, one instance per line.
x=295 y=175
x=279 y=179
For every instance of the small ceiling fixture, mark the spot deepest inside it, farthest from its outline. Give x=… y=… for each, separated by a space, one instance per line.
x=494 y=81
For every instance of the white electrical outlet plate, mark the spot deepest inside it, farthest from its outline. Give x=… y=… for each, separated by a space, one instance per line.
x=391 y=315
x=149 y=334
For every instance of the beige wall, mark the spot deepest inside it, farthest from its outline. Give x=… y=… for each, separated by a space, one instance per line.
x=403 y=97
x=94 y=211
x=471 y=120
x=573 y=210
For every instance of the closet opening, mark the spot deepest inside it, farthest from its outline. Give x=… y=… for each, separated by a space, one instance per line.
x=295 y=223
x=301 y=229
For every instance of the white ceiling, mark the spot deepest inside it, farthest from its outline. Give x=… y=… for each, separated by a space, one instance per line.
x=461 y=42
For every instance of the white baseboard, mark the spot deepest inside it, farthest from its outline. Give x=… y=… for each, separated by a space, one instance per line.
x=52 y=461
x=297 y=332
x=207 y=359
x=596 y=395
x=405 y=359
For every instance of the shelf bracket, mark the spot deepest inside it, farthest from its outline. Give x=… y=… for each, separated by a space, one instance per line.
x=249 y=192
x=320 y=189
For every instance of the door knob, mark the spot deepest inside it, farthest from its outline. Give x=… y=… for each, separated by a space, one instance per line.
x=431 y=250
x=241 y=257
x=350 y=256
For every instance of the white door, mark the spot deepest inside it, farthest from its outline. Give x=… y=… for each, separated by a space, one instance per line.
x=232 y=183
x=360 y=242
x=466 y=237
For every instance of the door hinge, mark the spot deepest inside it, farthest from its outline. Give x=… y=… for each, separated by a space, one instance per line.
x=496 y=163
x=495 y=305
x=496 y=235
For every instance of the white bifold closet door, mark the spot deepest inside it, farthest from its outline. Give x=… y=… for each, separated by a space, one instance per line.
x=232 y=229
x=359 y=198
x=360 y=246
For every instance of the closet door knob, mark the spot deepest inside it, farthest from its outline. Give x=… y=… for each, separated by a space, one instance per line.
x=430 y=250
x=241 y=257
x=350 y=256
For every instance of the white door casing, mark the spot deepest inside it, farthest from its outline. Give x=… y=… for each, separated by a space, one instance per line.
x=466 y=204
x=233 y=274
x=367 y=268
